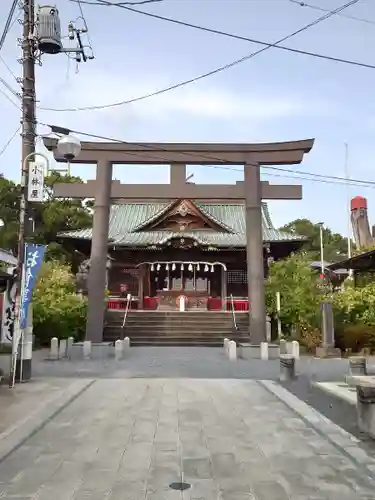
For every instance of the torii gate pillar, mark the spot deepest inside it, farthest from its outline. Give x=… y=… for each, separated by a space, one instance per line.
x=254 y=254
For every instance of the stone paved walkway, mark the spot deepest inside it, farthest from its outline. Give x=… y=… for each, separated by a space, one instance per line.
x=128 y=439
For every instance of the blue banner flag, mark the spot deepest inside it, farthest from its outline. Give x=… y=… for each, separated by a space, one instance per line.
x=33 y=259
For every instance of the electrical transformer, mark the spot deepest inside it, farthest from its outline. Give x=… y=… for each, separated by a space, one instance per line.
x=48 y=30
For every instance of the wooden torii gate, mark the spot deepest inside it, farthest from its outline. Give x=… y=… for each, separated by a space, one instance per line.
x=251 y=191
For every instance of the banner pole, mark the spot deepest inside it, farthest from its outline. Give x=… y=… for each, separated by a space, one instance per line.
x=17 y=331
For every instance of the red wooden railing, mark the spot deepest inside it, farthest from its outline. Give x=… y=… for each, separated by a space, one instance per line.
x=119 y=304
x=151 y=304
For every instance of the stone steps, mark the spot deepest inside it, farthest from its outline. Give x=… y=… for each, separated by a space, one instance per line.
x=176 y=328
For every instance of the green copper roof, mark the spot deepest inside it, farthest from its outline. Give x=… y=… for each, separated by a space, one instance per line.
x=127 y=219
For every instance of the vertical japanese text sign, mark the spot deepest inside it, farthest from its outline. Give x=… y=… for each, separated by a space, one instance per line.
x=33 y=259
x=36 y=182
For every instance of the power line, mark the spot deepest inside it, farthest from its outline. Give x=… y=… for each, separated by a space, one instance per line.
x=6 y=145
x=298 y=177
x=1 y=58
x=8 y=23
x=9 y=88
x=116 y=4
x=85 y=23
x=332 y=178
x=8 y=68
x=266 y=46
x=322 y=9
x=9 y=99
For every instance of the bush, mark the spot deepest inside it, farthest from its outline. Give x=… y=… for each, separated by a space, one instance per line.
x=355 y=337
x=57 y=310
x=355 y=306
x=296 y=282
x=310 y=339
x=354 y=310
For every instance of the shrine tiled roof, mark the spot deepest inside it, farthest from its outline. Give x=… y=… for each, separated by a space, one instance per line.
x=127 y=219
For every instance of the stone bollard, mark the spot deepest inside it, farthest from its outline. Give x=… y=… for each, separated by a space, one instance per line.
x=268 y=329
x=119 y=349
x=264 y=351
x=357 y=365
x=87 y=349
x=225 y=345
x=283 y=346
x=126 y=343
x=69 y=347
x=287 y=367
x=54 y=350
x=232 y=350
x=366 y=408
x=295 y=349
x=62 y=348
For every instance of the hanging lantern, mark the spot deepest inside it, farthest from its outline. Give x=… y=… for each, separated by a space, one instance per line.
x=212 y=269
x=158 y=267
x=167 y=267
x=198 y=267
x=173 y=266
x=182 y=267
x=152 y=267
x=190 y=268
x=206 y=268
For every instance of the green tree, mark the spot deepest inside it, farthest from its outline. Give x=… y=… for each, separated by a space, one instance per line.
x=57 y=310
x=300 y=296
x=50 y=217
x=9 y=213
x=335 y=246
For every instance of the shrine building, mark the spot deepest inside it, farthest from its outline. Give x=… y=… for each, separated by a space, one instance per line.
x=162 y=251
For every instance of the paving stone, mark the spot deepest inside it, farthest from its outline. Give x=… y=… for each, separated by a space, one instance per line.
x=198 y=468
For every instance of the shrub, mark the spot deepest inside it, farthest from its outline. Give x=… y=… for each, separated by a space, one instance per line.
x=355 y=305
x=310 y=339
x=296 y=282
x=355 y=337
x=57 y=310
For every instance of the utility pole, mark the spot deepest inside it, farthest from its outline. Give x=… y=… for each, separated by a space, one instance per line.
x=28 y=151
x=28 y=115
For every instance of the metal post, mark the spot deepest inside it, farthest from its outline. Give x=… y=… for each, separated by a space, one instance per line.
x=99 y=250
x=224 y=288
x=18 y=335
x=348 y=206
x=321 y=249
x=254 y=247
x=278 y=309
x=28 y=150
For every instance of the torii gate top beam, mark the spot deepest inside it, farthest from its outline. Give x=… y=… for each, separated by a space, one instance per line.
x=276 y=153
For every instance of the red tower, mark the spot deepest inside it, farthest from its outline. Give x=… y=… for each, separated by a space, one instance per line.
x=358 y=203
x=360 y=224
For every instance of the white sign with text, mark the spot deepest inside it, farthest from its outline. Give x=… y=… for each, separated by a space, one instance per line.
x=35 y=190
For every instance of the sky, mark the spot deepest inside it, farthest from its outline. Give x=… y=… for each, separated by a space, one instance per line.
x=276 y=96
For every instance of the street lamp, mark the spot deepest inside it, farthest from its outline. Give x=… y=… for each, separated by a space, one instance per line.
x=69 y=147
x=321 y=225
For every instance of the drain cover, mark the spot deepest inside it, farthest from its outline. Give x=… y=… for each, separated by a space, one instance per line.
x=179 y=486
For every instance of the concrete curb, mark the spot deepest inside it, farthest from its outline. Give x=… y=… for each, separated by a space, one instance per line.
x=338 y=391
x=343 y=441
x=16 y=435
